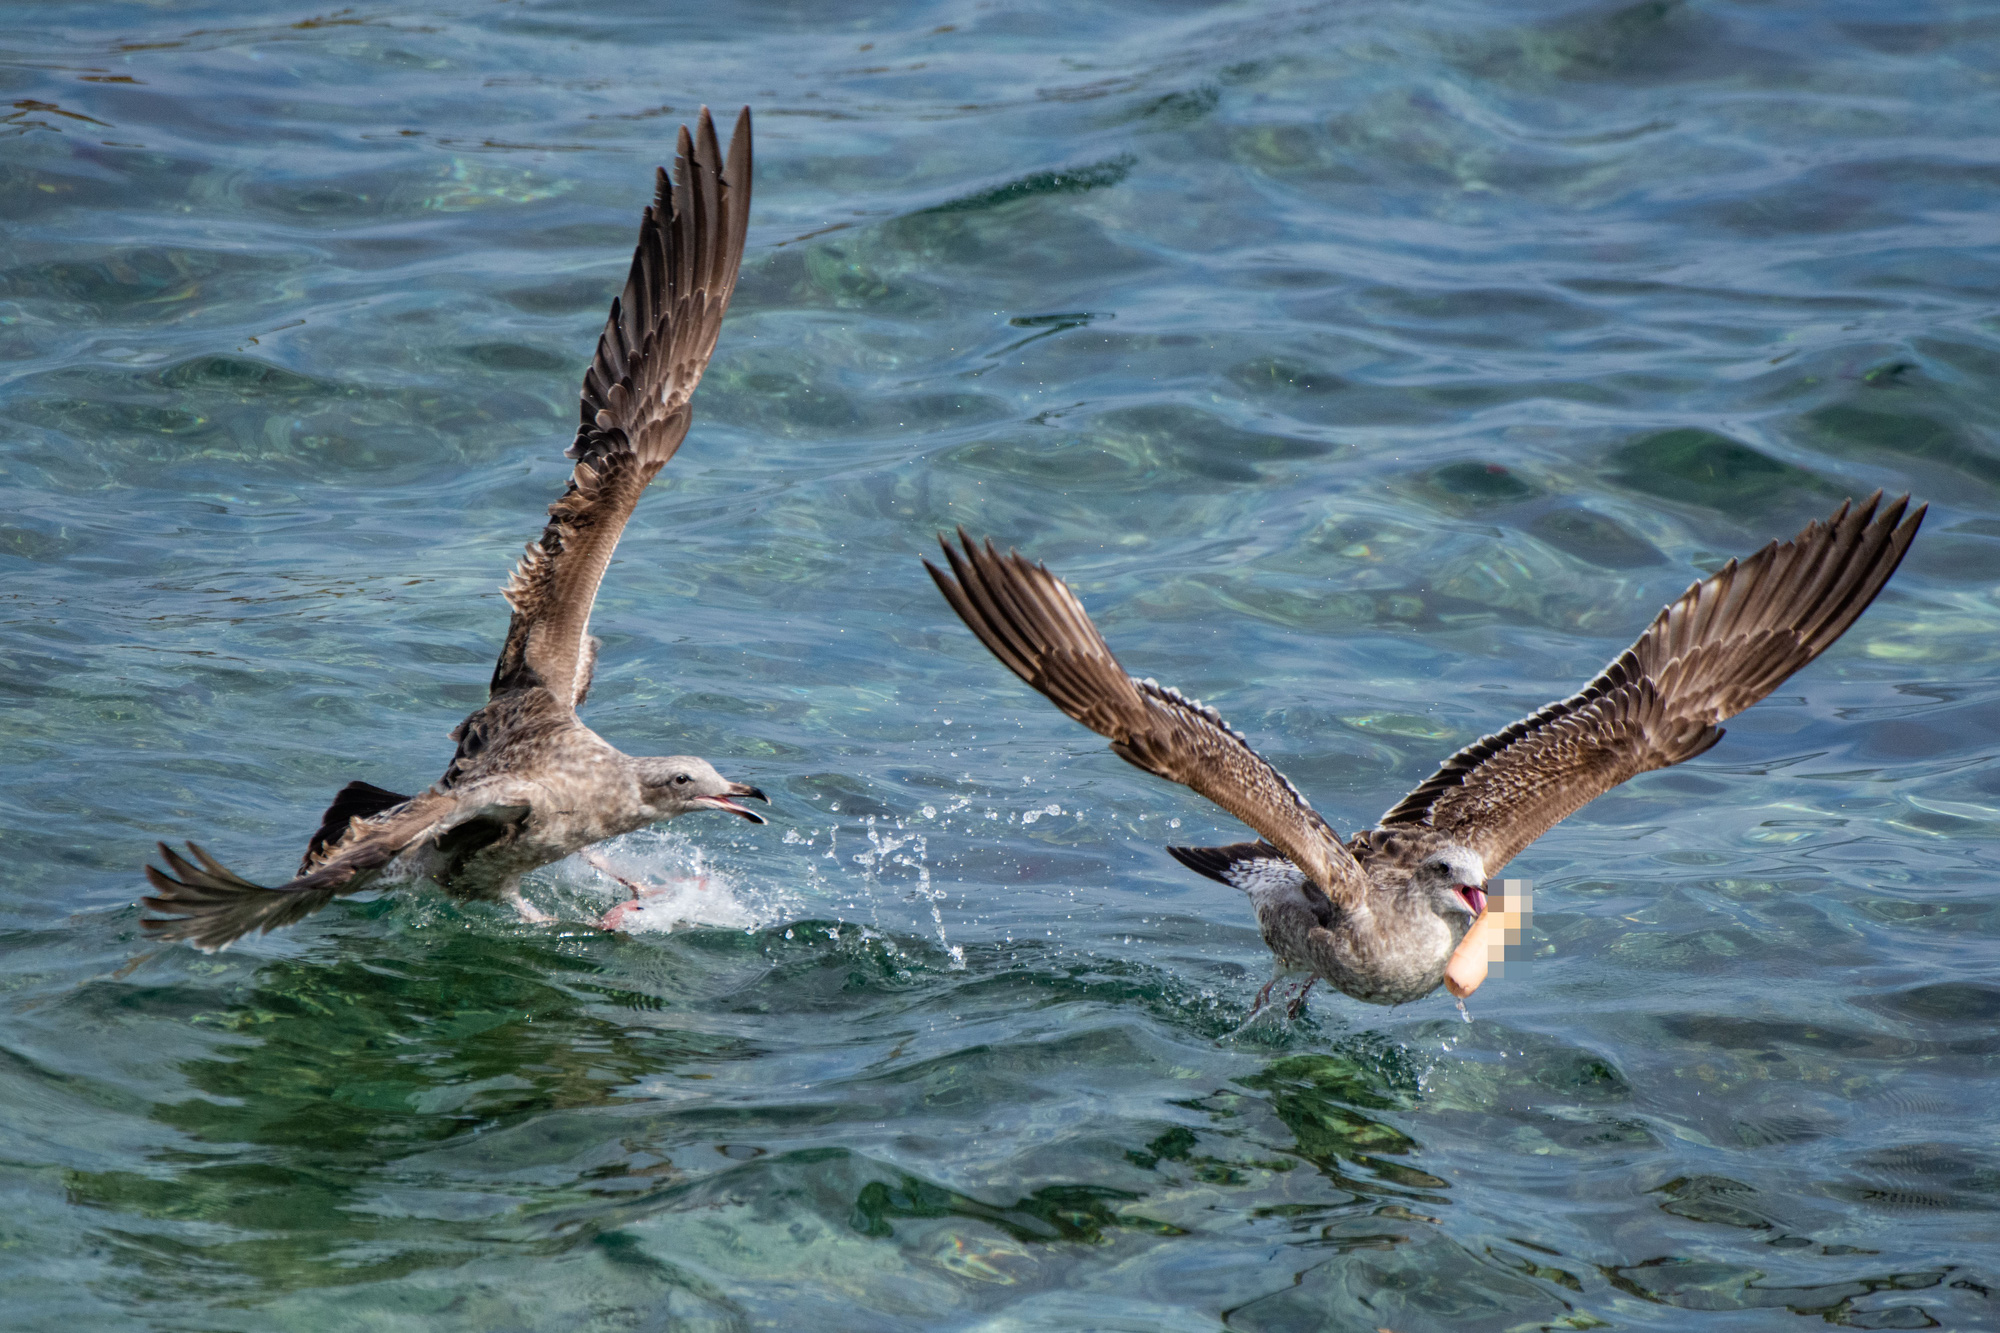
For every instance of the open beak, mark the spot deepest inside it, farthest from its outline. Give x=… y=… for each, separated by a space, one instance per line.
x=738 y=789
x=1468 y=964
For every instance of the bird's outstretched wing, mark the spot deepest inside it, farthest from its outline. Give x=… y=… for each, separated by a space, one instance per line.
x=210 y=906
x=1730 y=640
x=651 y=355
x=1034 y=624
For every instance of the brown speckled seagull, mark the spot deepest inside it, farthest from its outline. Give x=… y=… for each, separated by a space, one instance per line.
x=530 y=783
x=1379 y=916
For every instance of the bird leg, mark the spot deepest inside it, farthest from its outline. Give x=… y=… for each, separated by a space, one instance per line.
x=528 y=912
x=598 y=863
x=1263 y=997
x=614 y=918
x=1298 y=1004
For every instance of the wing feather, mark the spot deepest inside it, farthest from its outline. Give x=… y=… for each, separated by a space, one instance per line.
x=1032 y=622
x=1727 y=642
x=635 y=412
x=211 y=906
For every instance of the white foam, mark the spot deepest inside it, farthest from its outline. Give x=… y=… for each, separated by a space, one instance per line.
x=680 y=886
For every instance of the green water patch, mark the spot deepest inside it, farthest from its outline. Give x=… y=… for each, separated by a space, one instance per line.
x=1076 y=1213
x=1141 y=447
x=1640 y=42
x=1302 y=151
x=461 y=184
x=147 y=283
x=514 y=356
x=1873 y=435
x=1699 y=467
x=785 y=391
x=1714 y=1199
x=1065 y=180
x=266 y=421
x=1593 y=537
x=1471 y=485
x=1954 y=1003
x=1176 y=110
x=1284 y=377
x=795 y=1215
x=1709 y=1285
x=1362 y=1271
x=1323 y=1101
x=244 y=377
x=865 y=272
x=331 y=1070
x=1174 y=1152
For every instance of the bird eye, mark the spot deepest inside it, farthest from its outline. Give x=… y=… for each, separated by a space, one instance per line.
x=682 y=779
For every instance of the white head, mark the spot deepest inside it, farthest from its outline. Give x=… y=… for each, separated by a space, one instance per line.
x=1452 y=883
x=681 y=783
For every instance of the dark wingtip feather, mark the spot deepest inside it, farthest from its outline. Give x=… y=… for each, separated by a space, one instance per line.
x=1215 y=862
x=981 y=600
x=1202 y=860
x=357 y=798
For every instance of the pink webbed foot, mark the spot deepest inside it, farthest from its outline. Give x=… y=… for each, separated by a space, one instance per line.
x=617 y=917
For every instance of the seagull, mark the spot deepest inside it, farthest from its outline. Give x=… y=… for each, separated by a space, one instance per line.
x=1380 y=915
x=530 y=783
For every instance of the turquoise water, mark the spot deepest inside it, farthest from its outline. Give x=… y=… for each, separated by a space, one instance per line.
x=1372 y=371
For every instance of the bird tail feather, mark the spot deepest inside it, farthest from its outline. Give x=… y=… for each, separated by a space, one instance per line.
x=212 y=906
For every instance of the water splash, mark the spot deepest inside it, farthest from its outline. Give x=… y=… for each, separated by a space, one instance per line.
x=887 y=847
x=678 y=886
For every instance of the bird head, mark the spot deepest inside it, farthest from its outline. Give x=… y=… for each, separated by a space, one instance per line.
x=679 y=784
x=1451 y=882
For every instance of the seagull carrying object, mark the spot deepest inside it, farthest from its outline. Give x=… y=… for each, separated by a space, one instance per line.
x=1380 y=915
x=530 y=783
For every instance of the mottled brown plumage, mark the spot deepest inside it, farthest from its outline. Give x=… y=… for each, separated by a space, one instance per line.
x=1033 y=623
x=530 y=783
x=1727 y=642
x=635 y=405
x=1380 y=915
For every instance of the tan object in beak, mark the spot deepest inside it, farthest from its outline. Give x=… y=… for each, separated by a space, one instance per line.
x=1507 y=914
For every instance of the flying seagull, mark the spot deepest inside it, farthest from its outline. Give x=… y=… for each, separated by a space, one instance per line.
x=1380 y=915
x=530 y=783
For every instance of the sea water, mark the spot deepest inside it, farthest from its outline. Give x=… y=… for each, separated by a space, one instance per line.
x=1374 y=372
